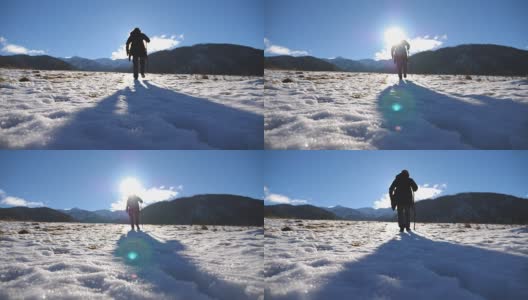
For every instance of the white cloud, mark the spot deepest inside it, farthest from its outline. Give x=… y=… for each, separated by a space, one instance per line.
x=157 y=43
x=418 y=44
x=16 y=49
x=15 y=201
x=425 y=191
x=149 y=196
x=280 y=50
x=280 y=199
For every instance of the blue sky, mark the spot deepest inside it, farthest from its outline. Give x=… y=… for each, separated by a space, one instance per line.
x=355 y=29
x=96 y=28
x=361 y=178
x=92 y=179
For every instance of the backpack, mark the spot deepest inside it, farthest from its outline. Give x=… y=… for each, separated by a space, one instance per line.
x=400 y=50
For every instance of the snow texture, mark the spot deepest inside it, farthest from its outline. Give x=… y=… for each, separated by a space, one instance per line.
x=96 y=110
x=333 y=110
x=372 y=260
x=107 y=261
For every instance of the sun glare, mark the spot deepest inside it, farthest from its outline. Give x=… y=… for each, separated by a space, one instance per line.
x=130 y=186
x=394 y=35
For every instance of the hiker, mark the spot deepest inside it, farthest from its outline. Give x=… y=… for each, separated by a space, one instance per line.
x=399 y=55
x=132 y=208
x=401 y=193
x=137 y=50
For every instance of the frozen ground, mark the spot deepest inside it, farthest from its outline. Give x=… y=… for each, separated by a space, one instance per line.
x=85 y=261
x=328 y=110
x=372 y=260
x=93 y=110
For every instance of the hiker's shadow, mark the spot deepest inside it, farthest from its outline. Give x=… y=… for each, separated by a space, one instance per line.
x=169 y=272
x=419 y=118
x=413 y=267
x=145 y=116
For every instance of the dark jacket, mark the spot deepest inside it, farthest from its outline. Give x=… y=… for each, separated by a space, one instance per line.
x=401 y=190
x=135 y=45
x=133 y=203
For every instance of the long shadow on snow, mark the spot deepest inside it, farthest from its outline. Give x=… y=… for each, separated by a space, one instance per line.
x=414 y=267
x=149 y=257
x=149 y=117
x=481 y=122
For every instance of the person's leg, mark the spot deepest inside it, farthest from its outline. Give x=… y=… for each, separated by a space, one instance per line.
x=137 y=219
x=399 y=67
x=408 y=217
x=131 y=217
x=135 y=61
x=142 y=64
x=405 y=68
x=400 y=218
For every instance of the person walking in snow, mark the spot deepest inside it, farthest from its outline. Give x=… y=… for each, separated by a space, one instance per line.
x=132 y=208
x=401 y=193
x=399 y=55
x=136 y=48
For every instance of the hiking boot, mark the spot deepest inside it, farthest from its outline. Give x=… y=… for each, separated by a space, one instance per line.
x=401 y=229
x=143 y=75
x=408 y=229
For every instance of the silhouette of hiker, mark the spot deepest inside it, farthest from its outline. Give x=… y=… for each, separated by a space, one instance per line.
x=137 y=49
x=132 y=209
x=401 y=195
x=399 y=56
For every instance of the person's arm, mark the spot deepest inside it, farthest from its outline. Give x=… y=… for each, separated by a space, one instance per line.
x=391 y=194
x=414 y=186
x=126 y=209
x=392 y=187
x=392 y=52
x=128 y=46
x=146 y=38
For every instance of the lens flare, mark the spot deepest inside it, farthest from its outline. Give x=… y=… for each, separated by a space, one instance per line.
x=132 y=255
x=398 y=107
x=394 y=35
x=130 y=186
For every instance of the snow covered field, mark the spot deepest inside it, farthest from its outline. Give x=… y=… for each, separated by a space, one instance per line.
x=85 y=261
x=96 y=110
x=372 y=260
x=328 y=110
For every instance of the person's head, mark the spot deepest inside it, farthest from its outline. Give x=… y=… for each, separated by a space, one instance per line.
x=405 y=173
x=136 y=31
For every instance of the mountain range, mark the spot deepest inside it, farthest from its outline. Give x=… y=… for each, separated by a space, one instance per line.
x=288 y=211
x=98 y=216
x=459 y=208
x=223 y=209
x=472 y=59
x=210 y=209
x=219 y=59
x=38 y=214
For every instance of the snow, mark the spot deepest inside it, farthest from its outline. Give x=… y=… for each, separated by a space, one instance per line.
x=106 y=261
x=333 y=110
x=372 y=260
x=97 y=110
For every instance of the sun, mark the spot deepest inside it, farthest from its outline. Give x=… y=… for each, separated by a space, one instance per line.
x=130 y=186
x=394 y=35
